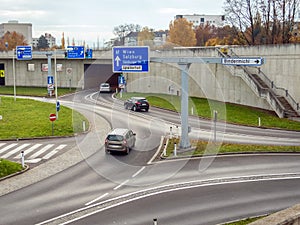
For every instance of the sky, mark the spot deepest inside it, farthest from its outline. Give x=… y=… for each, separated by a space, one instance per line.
x=93 y=21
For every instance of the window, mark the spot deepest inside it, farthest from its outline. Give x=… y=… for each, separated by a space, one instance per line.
x=30 y=67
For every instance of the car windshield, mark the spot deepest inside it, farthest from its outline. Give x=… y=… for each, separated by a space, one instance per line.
x=104 y=85
x=115 y=138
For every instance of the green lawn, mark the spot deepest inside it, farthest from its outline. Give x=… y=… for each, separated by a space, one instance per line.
x=33 y=91
x=7 y=167
x=25 y=118
x=201 y=148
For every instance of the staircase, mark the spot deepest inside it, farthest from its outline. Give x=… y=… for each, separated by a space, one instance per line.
x=279 y=99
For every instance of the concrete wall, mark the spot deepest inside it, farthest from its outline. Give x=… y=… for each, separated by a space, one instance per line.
x=211 y=81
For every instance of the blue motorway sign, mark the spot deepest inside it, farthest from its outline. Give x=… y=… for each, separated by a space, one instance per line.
x=24 y=52
x=89 y=53
x=131 y=59
x=50 y=80
x=75 y=52
x=121 y=81
x=57 y=106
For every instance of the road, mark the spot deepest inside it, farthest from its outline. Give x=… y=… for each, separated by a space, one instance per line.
x=202 y=187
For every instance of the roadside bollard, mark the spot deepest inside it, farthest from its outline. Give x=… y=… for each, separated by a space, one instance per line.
x=171 y=135
x=177 y=132
x=259 y=121
x=165 y=150
x=23 y=159
x=175 y=149
x=83 y=126
x=154 y=221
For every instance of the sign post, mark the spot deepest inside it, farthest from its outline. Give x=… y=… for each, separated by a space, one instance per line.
x=184 y=64
x=52 y=118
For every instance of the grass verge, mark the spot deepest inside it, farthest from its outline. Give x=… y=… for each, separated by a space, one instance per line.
x=200 y=148
x=8 y=167
x=33 y=91
x=244 y=222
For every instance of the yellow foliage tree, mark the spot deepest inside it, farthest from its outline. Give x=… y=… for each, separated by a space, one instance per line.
x=181 y=33
x=145 y=37
x=63 y=41
x=10 y=40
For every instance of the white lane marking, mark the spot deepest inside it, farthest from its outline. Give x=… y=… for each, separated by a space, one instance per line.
x=10 y=153
x=138 y=172
x=52 y=153
x=7 y=148
x=29 y=150
x=97 y=199
x=1 y=144
x=157 y=151
x=41 y=151
x=33 y=160
x=194 y=184
x=122 y=184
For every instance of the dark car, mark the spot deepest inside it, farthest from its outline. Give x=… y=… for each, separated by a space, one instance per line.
x=137 y=104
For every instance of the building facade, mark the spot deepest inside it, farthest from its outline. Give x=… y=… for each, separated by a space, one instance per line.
x=51 y=40
x=23 y=28
x=202 y=20
x=160 y=38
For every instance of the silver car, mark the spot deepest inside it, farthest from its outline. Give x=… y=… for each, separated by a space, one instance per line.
x=120 y=140
x=105 y=87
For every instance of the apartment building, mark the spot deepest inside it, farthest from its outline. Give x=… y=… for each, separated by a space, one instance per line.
x=197 y=19
x=23 y=28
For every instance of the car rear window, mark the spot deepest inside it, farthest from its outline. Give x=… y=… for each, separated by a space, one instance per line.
x=115 y=137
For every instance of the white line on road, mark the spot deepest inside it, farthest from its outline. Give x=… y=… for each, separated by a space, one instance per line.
x=7 y=148
x=52 y=153
x=97 y=199
x=10 y=153
x=122 y=184
x=30 y=150
x=138 y=172
x=41 y=151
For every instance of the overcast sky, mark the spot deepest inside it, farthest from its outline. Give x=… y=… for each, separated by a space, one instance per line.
x=92 y=20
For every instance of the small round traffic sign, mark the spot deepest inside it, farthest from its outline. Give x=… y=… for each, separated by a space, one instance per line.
x=52 y=117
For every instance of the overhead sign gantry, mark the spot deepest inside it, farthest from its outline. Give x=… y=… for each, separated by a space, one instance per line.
x=119 y=60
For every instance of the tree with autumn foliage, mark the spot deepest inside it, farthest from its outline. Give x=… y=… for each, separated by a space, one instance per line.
x=146 y=37
x=10 y=40
x=181 y=33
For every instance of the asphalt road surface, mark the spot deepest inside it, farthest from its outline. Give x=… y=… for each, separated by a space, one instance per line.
x=135 y=188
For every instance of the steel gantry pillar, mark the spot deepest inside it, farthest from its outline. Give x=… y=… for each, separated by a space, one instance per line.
x=184 y=140
x=184 y=65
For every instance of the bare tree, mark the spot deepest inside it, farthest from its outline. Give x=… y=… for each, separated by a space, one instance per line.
x=263 y=21
x=122 y=30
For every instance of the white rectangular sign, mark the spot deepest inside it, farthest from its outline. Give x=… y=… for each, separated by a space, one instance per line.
x=243 y=61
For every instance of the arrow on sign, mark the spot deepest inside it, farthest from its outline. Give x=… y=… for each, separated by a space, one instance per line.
x=117 y=59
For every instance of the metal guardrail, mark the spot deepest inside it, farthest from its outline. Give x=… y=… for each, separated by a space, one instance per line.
x=277 y=91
